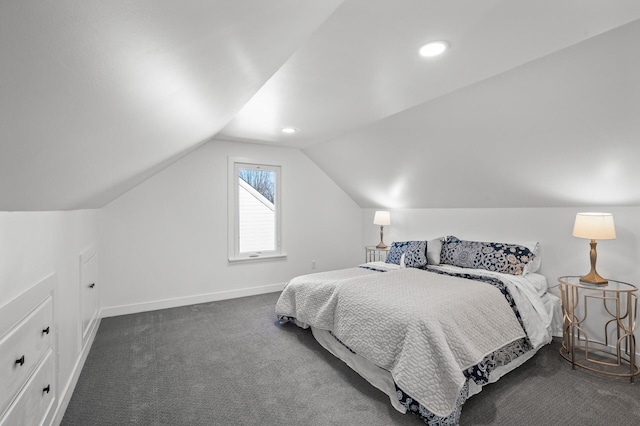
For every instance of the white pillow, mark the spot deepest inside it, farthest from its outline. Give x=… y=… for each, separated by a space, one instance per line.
x=434 y=247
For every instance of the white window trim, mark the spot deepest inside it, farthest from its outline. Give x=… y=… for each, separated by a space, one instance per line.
x=232 y=217
x=257 y=258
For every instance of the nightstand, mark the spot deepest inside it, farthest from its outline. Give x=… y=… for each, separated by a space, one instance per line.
x=619 y=301
x=374 y=254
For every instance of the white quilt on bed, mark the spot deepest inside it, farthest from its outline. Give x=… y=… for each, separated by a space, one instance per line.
x=310 y=298
x=425 y=328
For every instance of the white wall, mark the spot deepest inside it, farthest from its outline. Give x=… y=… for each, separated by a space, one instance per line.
x=34 y=245
x=562 y=254
x=164 y=243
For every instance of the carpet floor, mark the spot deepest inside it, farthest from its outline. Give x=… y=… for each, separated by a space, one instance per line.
x=231 y=363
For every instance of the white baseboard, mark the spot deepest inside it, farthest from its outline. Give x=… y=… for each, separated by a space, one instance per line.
x=67 y=392
x=188 y=300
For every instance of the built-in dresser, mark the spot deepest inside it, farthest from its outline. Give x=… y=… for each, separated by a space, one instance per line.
x=28 y=358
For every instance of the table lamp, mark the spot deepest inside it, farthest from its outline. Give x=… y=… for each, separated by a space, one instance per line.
x=594 y=226
x=382 y=218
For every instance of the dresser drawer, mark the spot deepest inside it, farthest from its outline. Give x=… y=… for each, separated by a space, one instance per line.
x=22 y=348
x=36 y=398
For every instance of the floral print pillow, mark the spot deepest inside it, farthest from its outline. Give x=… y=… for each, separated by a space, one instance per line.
x=496 y=257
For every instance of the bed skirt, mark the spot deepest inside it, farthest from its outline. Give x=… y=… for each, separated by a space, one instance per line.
x=381 y=378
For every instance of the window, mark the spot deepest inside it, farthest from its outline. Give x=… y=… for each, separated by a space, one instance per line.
x=254 y=208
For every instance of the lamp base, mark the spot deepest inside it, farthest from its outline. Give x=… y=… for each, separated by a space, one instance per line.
x=593 y=278
x=381 y=244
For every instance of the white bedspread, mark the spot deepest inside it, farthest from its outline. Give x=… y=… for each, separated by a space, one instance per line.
x=526 y=291
x=424 y=328
x=310 y=298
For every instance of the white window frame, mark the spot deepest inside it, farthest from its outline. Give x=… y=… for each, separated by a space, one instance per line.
x=233 y=248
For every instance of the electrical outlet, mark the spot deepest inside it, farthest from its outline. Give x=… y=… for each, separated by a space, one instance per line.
x=313 y=264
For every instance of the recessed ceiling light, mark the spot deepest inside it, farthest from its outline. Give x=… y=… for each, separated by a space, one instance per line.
x=434 y=48
x=289 y=130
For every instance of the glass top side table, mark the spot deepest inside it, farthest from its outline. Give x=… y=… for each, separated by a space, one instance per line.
x=620 y=302
x=374 y=254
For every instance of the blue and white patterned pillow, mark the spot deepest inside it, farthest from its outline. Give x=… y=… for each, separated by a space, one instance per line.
x=396 y=251
x=497 y=257
x=415 y=253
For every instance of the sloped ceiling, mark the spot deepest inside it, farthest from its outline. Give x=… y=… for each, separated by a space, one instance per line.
x=535 y=103
x=563 y=130
x=96 y=96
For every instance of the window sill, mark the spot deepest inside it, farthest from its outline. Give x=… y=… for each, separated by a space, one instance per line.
x=257 y=258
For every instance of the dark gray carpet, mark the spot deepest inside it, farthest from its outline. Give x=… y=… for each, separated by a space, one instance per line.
x=231 y=363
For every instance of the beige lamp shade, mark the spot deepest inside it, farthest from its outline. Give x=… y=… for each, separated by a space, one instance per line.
x=382 y=218
x=594 y=226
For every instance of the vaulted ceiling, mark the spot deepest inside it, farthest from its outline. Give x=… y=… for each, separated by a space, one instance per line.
x=534 y=104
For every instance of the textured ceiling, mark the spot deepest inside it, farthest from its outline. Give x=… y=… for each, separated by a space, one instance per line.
x=535 y=104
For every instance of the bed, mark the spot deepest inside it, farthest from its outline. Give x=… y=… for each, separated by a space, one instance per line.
x=432 y=325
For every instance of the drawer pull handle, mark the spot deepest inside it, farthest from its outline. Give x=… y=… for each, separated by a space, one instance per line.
x=47 y=389
x=45 y=331
x=20 y=360
x=92 y=285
